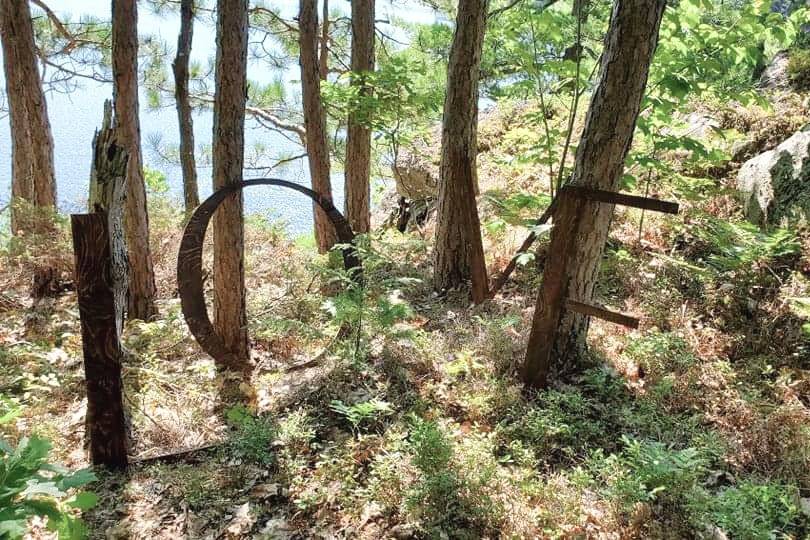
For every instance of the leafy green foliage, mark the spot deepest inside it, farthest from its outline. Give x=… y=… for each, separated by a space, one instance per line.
x=9 y=407
x=30 y=486
x=646 y=471
x=436 y=496
x=254 y=435
x=374 y=306
x=659 y=353
x=558 y=425
x=155 y=181
x=799 y=69
x=753 y=511
x=734 y=246
x=362 y=413
x=713 y=48
x=527 y=48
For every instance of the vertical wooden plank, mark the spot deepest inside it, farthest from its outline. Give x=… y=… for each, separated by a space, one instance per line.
x=552 y=293
x=101 y=344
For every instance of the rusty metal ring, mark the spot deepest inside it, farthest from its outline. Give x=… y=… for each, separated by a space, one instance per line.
x=189 y=258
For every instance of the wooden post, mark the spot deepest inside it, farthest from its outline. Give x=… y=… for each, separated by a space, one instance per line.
x=553 y=297
x=552 y=292
x=101 y=281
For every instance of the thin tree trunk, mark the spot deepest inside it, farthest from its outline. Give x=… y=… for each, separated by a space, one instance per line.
x=230 y=318
x=315 y=120
x=606 y=139
x=358 y=137
x=32 y=143
x=459 y=253
x=191 y=195
x=141 y=294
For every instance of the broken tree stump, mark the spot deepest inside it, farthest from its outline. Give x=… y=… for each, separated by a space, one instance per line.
x=101 y=281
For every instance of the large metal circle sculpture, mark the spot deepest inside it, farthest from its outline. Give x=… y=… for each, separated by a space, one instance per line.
x=189 y=259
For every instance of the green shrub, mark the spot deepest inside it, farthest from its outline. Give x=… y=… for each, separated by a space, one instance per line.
x=799 y=69
x=559 y=423
x=740 y=246
x=647 y=471
x=362 y=414
x=254 y=435
x=752 y=511
x=30 y=486
x=660 y=352
x=449 y=499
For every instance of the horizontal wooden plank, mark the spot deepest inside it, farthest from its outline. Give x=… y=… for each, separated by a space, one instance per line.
x=602 y=313
x=623 y=199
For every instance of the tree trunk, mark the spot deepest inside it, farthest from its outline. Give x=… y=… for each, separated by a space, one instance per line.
x=22 y=186
x=323 y=60
x=191 y=195
x=141 y=295
x=101 y=285
x=230 y=318
x=315 y=120
x=459 y=254
x=358 y=137
x=33 y=177
x=606 y=139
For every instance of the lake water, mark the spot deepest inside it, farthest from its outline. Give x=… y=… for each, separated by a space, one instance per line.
x=74 y=118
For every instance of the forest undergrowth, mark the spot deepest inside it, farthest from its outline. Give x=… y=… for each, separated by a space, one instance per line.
x=385 y=411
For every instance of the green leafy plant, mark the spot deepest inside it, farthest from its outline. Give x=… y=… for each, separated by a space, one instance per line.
x=753 y=511
x=559 y=424
x=435 y=497
x=9 y=407
x=735 y=246
x=362 y=413
x=799 y=69
x=30 y=486
x=254 y=435
x=374 y=306
x=155 y=181
x=465 y=363
x=450 y=497
x=660 y=352
x=646 y=471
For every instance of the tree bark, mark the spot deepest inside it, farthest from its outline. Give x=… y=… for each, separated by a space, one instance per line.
x=141 y=294
x=101 y=285
x=33 y=176
x=230 y=318
x=315 y=120
x=358 y=136
x=22 y=186
x=191 y=195
x=459 y=253
x=323 y=60
x=608 y=133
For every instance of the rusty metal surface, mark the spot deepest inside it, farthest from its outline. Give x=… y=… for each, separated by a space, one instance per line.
x=189 y=259
x=624 y=199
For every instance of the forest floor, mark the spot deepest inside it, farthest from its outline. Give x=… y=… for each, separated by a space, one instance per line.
x=696 y=424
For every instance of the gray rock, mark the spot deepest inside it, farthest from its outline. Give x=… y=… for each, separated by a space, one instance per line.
x=417 y=177
x=700 y=126
x=277 y=529
x=775 y=76
x=715 y=533
x=776 y=184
